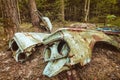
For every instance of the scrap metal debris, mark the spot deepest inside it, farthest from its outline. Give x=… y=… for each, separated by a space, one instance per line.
x=64 y=48
x=76 y=47
x=108 y=30
x=83 y=25
x=23 y=44
x=45 y=21
x=48 y=23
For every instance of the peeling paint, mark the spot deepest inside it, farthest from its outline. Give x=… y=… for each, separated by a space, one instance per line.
x=80 y=43
x=23 y=44
x=64 y=48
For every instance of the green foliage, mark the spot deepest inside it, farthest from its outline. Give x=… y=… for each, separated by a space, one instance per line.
x=49 y=8
x=74 y=9
x=99 y=19
x=94 y=20
x=116 y=22
x=104 y=7
x=110 y=18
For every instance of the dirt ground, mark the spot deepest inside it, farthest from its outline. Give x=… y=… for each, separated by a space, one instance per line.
x=105 y=65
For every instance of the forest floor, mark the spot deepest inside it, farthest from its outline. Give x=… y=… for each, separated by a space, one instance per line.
x=105 y=64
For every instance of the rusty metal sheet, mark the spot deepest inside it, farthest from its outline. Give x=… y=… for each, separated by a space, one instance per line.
x=56 y=51
x=23 y=43
x=80 y=43
x=48 y=22
x=64 y=48
x=109 y=31
x=55 y=67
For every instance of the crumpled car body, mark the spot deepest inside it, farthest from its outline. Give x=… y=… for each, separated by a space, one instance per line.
x=63 y=48
x=70 y=46
x=23 y=44
x=108 y=30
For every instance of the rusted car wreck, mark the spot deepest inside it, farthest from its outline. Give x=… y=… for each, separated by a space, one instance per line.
x=64 y=48
x=23 y=44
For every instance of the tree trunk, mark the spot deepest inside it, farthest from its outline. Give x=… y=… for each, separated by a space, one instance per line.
x=10 y=17
x=18 y=10
x=75 y=13
x=86 y=10
x=62 y=11
x=34 y=15
x=0 y=10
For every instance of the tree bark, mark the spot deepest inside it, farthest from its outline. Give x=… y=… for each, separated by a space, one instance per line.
x=86 y=10
x=18 y=10
x=10 y=17
x=34 y=15
x=62 y=11
x=0 y=10
x=75 y=13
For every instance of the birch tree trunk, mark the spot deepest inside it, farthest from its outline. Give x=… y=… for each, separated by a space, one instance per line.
x=86 y=10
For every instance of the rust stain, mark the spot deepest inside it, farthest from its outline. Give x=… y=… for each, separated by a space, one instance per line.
x=97 y=38
x=76 y=29
x=27 y=34
x=91 y=45
x=71 y=55
x=85 y=39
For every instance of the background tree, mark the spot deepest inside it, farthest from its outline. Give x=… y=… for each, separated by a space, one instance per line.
x=34 y=15
x=101 y=8
x=10 y=17
x=86 y=9
x=24 y=11
x=62 y=11
x=73 y=10
x=1 y=12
